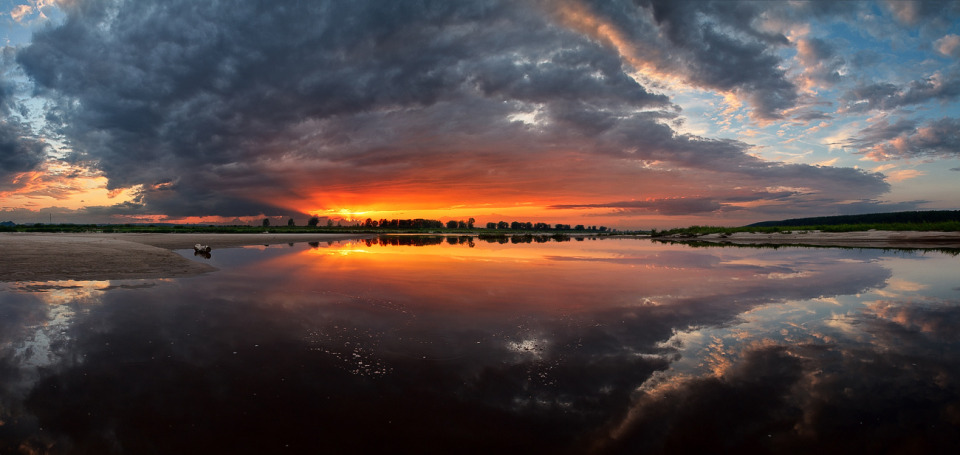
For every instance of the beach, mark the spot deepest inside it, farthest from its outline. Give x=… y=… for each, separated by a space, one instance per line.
x=50 y=257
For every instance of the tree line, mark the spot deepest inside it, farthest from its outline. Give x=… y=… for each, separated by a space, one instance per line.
x=521 y=226
x=420 y=223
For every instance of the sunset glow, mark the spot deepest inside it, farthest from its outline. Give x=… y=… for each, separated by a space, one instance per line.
x=626 y=114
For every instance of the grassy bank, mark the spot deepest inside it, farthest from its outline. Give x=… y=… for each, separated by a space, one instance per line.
x=946 y=226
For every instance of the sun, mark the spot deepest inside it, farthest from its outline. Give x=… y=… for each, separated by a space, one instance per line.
x=346 y=214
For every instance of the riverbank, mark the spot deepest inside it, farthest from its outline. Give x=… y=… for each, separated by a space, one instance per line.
x=864 y=239
x=49 y=257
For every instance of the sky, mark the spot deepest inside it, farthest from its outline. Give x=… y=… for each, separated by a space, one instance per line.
x=627 y=114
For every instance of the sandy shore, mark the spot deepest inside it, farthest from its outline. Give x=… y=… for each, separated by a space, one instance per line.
x=47 y=257
x=865 y=239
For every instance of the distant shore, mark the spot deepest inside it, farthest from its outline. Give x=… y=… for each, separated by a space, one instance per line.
x=52 y=257
x=865 y=239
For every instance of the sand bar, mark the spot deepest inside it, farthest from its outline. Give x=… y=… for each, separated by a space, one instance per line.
x=863 y=239
x=48 y=257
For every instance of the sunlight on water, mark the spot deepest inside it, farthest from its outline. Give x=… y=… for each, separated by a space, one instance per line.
x=550 y=345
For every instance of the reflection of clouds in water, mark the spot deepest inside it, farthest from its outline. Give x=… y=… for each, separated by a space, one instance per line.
x=879 y=377
x=63 y=301
x=897 y=288
x=303 y=348
x=35 y=318
x=37 y=315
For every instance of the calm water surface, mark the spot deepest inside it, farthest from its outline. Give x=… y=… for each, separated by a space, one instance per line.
x=458 y=345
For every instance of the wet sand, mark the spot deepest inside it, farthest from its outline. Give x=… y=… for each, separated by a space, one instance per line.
x=864 y=239
x=48 y=257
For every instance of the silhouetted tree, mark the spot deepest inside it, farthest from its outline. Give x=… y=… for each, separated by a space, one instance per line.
x=452 y=224
x=470 y=223
x=502 y=225
x=266 y=222
x=491 y=225
x=290 y=222
x=315 y=220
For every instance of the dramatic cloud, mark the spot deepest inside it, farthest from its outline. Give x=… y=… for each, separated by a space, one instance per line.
x=220 y=94
x=885 y=96
x=715 y=45
x=905 y=139
x=260 y=108
x=822 y=64
x=20 y=150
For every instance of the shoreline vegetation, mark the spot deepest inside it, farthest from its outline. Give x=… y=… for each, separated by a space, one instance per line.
x=47 y=252
x=926 y=229
x=369 y=226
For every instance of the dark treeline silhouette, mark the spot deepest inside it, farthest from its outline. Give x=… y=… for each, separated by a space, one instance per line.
x=928 y=216
x=418 y=240
x=469 y=224
x=421 y=223
x=418 y=223
x=313 y=224
x=528 y=226
x=467 y=240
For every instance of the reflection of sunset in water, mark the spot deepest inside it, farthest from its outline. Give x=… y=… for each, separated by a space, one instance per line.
x=603 y=346
x=551 y=276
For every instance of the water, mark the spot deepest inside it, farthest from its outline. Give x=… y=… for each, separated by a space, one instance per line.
x=461 y=345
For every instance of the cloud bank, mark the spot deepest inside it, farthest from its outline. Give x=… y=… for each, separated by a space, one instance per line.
x=259 y=108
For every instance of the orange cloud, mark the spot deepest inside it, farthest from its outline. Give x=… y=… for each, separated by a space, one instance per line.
x=643 y=59
x=67 y=185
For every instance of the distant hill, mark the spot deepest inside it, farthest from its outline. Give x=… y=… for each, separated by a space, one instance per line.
x=930 y=216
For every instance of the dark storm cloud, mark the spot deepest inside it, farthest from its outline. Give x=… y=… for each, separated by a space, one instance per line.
x=20 y=150
x=906 y=139
x=154 y=93
x=214 y=108
x=718 y=45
